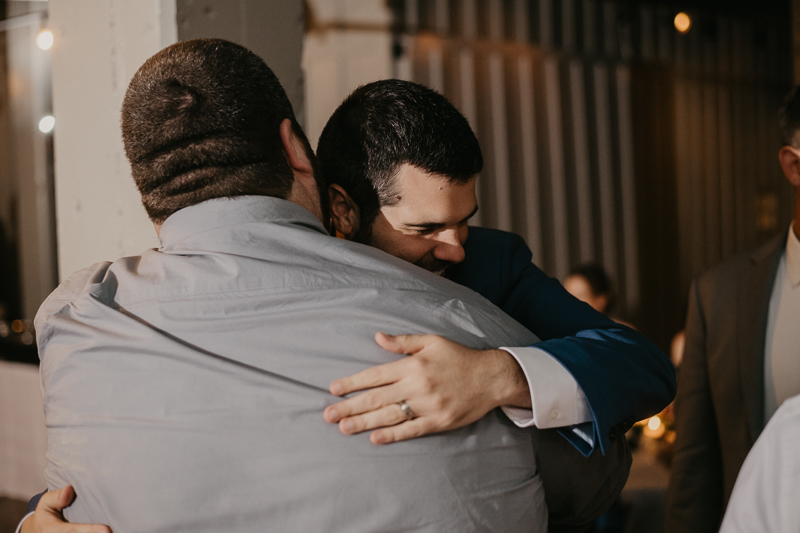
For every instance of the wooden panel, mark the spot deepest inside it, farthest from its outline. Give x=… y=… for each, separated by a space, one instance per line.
x=628 y=189
x=605 y=168
x=499 y=147
x=580 y=153
x=558 y=189
x=710 y=172
x=530 y=171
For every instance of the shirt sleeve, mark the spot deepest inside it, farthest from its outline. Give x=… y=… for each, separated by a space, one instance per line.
x=19 y=527
x=556 y=398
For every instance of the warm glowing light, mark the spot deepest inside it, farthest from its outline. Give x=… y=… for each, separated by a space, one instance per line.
x=45 y=39
x=16 y=326
x=654 y=428
x=27 y=338
x=683 y=22
x=47 y=124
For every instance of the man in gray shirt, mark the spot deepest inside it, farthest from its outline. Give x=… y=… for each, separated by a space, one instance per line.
x=183 y=387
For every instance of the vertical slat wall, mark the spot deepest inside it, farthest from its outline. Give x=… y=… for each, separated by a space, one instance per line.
x=561 y=94
x=730 y=76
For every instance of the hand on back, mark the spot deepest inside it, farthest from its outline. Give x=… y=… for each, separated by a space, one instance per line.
x=445 y=385
x=49 y=517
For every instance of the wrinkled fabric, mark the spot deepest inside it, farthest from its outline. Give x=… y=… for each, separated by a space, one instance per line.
x=764 y=498
x=184 y=387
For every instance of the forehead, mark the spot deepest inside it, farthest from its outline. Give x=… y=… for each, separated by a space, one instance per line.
x=426 y=197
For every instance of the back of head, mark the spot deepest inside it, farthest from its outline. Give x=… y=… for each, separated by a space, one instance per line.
x=385 y=124
x=789 y=118
x=200 y=120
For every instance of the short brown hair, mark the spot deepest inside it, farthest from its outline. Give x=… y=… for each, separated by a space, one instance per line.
x=385 y=124
x=200 y=120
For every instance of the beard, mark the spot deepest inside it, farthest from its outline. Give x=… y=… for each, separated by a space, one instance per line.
x=431 y=264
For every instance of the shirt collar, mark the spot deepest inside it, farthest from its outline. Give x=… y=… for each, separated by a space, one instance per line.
x=793 y=257
x=221 y=212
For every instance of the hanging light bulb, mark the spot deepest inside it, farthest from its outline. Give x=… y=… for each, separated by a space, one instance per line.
x=44 y=40
x=47 y=123
x=683 y=22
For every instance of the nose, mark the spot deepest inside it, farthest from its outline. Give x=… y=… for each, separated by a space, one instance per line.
x=449 y=246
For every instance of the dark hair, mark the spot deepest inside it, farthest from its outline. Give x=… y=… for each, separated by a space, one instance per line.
x=385 y=124
x=789 y=117
x=200 y=120
x=595 y=275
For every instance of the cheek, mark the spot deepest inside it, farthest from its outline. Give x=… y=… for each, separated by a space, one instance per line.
x=408 y=248
x=412 y=249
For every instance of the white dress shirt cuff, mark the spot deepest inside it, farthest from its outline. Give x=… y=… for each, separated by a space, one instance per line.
x=19 y=527
x=556 y=398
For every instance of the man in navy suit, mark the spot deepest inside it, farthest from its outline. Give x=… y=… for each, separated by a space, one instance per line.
x=382 y=155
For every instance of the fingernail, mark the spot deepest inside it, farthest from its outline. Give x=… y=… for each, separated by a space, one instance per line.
x=348 y=426
x=333 y=414
x=379 y=439
x=336 y=388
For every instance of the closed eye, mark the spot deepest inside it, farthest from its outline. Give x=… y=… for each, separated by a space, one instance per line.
x=429 y=228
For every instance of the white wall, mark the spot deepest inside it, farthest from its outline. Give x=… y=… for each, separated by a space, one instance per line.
x=99 y=45
x=349 y=43
x=272 y=29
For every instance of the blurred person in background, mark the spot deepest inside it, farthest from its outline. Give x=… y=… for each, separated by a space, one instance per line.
x=589 y=283
x=740 y=360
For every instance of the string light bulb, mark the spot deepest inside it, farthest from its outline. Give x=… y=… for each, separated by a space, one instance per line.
x=683 y=23
x=47 y=124
x=654 y=428
x=44 y=40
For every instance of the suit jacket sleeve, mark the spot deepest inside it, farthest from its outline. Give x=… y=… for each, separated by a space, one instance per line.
x=623 y=375
x=35 y=501
x=695 y=495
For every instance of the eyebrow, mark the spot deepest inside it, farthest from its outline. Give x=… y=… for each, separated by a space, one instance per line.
x=436 y=225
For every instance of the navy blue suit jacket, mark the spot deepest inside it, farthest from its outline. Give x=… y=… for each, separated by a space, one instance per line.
x=624 y=377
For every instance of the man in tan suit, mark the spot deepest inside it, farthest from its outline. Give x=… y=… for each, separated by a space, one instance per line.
x=741 y=360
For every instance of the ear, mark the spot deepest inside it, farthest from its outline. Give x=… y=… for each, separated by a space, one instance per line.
x=789 y=157
x=345 y=214
x=295 y=151
x=305 y=192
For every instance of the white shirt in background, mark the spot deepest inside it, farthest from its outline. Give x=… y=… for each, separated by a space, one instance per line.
x=766 y=497
x=782 y=345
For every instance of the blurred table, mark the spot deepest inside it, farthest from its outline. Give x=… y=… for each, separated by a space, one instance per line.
x=644 y=497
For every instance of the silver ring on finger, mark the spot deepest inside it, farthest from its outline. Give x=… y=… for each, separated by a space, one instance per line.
x=406 y=410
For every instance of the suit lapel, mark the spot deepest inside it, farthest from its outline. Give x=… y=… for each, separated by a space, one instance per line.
x=754 y=293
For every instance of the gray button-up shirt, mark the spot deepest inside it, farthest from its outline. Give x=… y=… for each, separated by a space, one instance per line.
x=184 y=387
